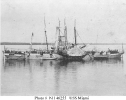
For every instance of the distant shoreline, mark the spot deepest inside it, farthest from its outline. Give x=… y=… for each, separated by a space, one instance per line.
x=20 y=43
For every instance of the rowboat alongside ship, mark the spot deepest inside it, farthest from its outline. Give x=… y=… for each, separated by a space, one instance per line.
x=100 y=57
x=14 y=54
x=15 y=57
x=115 y=55
x=108 y=55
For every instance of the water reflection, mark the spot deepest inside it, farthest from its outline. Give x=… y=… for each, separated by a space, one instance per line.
x=66 y=76
x=110 y=61
x=56 y=77
x=13 y=63
x=60 y=63
x=65 y=63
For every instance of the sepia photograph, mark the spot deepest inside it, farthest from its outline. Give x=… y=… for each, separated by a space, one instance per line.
x=63 y=48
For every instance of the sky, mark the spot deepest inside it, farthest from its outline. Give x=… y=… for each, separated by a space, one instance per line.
x=97 y=21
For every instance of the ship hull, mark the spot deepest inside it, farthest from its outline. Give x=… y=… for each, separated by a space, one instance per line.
x=76 y=58
x=15 y=57
x=116 y=55
x=45 y=56
x=71 y=57
x=108 y=56
x=100 y=58
x=72 y=54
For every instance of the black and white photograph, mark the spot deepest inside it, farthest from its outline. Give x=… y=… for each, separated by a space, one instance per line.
x=63 y=48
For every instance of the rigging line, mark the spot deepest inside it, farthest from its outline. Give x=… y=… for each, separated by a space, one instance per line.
x=55 y=38
x=80 y=38
x=61 y=32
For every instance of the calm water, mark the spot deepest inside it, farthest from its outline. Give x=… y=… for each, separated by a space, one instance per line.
x=38 y=77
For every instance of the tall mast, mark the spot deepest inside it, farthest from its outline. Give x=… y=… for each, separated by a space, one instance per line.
x=59 y=27
x=64 y=28
x=31 y=41
x=59 y=34
x=75 y=32
x=45 y=33
x=65 y=32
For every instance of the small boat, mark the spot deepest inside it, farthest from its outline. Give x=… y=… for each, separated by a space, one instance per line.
x=108 y=55
x=14 y=54
x=115 y=55
x=100 y=55
x=15 y=57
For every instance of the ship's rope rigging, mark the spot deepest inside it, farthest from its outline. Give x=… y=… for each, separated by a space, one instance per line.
x=80 y=38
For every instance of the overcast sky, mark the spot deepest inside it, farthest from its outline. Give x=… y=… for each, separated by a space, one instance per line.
x=103 y=18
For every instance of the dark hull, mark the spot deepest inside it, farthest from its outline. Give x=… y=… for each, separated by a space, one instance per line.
x=68 y=57
x=14 y=57
x=76 y=58
x=116 y=55
x=100 y=58
x=108 y=56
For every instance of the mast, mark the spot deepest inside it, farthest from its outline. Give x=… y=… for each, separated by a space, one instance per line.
x=59 y=27
x=45 y=33
x=31 y=41
x=75 y=32
x=59 y=38
x=65 y=33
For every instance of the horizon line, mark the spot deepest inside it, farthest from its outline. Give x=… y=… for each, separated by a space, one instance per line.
x=38 y=43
